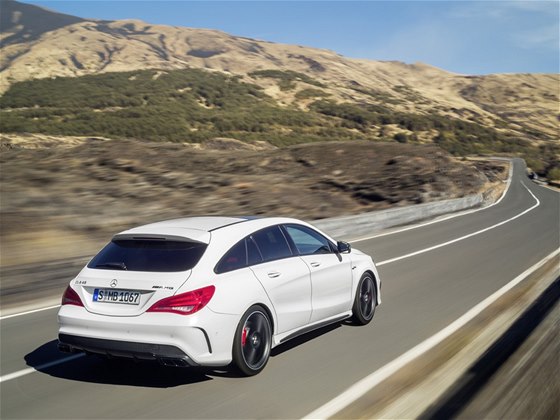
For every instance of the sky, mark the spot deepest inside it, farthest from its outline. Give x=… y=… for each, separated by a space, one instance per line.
x=466 y=37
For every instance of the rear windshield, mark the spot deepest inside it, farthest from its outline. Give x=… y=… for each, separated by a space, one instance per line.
x=148 y=255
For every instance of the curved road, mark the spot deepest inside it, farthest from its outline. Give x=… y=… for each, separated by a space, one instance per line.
x=455 y=264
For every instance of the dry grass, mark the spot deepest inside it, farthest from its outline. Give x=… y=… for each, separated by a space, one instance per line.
x=85 y=190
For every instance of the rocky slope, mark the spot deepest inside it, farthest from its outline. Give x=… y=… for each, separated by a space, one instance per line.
x=65 y=196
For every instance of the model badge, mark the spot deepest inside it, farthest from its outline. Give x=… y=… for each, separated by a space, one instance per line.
x=114 y=283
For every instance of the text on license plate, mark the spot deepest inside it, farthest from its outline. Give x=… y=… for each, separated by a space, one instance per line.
x=116 y=296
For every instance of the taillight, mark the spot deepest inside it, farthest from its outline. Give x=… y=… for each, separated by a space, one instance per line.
x=185 y=303
x=70 y=297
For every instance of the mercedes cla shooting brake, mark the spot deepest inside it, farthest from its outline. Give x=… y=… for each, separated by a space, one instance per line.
x=209 y=291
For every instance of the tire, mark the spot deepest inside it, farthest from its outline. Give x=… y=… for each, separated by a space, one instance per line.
x=252 y=342
x=365 y=300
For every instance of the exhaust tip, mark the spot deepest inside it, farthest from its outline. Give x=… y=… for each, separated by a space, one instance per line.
x=65 y=348
x=173 y=362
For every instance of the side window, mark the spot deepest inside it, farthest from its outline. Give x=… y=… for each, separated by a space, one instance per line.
x=307 y=241
x=253 y=254
x=234 y=259
x=272 y=243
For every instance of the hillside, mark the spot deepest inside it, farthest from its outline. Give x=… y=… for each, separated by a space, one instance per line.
x=90 y=47
x=22 y=23
x=195 y=105
x=303 y=89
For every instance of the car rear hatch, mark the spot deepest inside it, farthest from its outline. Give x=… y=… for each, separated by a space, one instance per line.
x=132 y=273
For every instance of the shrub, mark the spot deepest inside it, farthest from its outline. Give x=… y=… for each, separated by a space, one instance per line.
x=401 y=137
x=286 y=78
x=554 y=174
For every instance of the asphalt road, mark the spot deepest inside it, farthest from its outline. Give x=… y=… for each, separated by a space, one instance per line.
x=422 y=294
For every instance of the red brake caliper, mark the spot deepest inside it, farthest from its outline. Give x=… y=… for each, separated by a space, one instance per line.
x=244 y=336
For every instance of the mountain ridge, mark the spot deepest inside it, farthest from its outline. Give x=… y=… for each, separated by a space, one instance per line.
x=27 y=22
x=523 y=105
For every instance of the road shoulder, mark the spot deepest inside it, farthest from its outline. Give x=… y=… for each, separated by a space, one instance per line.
x=416 y=389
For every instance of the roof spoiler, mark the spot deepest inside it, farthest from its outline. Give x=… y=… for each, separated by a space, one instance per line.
x=155 y=237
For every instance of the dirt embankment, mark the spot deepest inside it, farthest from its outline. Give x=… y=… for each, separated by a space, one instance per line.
x=63 y=198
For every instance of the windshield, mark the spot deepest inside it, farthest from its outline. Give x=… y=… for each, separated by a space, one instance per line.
x=148 y=255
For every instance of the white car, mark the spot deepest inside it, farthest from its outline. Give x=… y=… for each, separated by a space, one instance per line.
x=206 y=291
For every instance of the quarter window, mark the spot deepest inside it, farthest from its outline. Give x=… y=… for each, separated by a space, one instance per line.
x=234 y=259
x=307 y=241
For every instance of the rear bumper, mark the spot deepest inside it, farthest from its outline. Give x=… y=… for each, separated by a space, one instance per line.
x=204 y=338
x=165 y=354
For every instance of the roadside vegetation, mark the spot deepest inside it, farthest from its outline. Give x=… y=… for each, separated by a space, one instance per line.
x=195 y=105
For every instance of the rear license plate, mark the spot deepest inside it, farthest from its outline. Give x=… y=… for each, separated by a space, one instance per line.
x=126 y=297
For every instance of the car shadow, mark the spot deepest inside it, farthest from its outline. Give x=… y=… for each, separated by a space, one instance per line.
x=100 y=370
x=304 y=338
x=350 y=323
x=97 y=369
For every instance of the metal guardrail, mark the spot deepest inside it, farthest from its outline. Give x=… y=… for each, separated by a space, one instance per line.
x=372 y=222
x=375 y=221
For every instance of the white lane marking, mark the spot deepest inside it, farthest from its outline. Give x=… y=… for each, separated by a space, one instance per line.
x=47 y=365
x=443 y=219
x=369 y=382
x=421 y=251
x=29 y=312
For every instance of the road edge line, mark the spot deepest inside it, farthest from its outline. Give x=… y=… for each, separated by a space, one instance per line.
x=366 y=384
x=27 y=371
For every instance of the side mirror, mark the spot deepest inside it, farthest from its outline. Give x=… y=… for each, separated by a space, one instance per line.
x=343 y=247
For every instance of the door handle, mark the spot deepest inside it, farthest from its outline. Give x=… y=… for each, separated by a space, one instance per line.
x=273 y=274
x=315 y=264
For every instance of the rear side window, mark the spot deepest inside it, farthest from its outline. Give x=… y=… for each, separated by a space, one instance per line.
x=272 y=244
x=148 y=255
